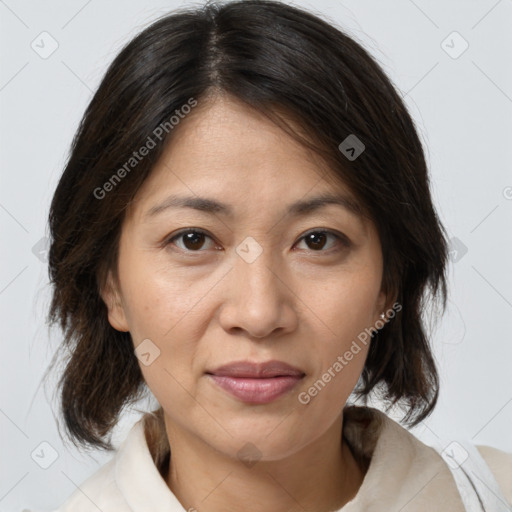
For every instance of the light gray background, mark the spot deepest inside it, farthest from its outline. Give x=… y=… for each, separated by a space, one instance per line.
x=463 y=110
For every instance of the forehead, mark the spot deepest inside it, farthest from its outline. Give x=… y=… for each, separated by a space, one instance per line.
x=225 y=131
x=226 y=153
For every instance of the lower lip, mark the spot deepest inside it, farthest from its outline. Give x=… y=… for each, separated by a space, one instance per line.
x=256 y=391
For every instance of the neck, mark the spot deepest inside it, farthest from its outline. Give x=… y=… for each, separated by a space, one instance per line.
x=323 y=476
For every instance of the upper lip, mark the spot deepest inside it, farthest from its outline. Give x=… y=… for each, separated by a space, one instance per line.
x=257 y=370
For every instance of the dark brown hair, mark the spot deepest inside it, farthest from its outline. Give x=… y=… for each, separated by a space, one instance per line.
x=289 y=65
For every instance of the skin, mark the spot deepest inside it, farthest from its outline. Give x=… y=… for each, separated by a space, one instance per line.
x=203 y=305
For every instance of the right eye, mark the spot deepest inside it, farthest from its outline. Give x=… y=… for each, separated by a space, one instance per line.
x=192 y=239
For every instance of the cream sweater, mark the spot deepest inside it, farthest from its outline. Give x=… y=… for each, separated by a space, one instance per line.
x=404 y=474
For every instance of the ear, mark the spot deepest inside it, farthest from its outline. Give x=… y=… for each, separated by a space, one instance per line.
x=112 y=299
x=384 y=303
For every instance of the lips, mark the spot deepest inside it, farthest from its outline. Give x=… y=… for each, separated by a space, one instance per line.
x=250 y=370
x=256 y=383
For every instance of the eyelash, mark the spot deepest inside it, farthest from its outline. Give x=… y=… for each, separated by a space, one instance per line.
x=340 y=238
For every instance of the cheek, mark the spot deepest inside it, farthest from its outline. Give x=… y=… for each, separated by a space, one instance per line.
x=346 y=314
x=156 y=299
x=341 y=360
x=165 y=310
x=345 y=305
x=171 y=375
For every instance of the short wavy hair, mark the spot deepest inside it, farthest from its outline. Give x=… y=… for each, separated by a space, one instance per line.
x=288 y=64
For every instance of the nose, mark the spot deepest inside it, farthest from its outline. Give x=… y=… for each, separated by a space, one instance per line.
x=258 y=300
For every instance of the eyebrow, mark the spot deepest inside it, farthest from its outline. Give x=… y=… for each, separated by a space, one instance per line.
x=297 y=209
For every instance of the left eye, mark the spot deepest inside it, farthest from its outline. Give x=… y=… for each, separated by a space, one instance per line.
x=193 y=240
x=317 y=239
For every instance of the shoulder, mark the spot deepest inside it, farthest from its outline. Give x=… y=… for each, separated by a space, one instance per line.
x=403 y=472
x=98 y=492
x=129 y=482
x=103 y=490
x=500 y=464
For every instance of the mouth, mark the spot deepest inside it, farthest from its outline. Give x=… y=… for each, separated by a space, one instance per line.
x=256 y=383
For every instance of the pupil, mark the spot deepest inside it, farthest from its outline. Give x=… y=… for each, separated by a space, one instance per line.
x=191 y=240
x=314 y=236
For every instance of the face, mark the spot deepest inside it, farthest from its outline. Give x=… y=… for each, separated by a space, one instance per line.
x=256 y=280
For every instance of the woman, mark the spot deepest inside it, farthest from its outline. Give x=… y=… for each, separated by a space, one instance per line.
x=245 y=228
